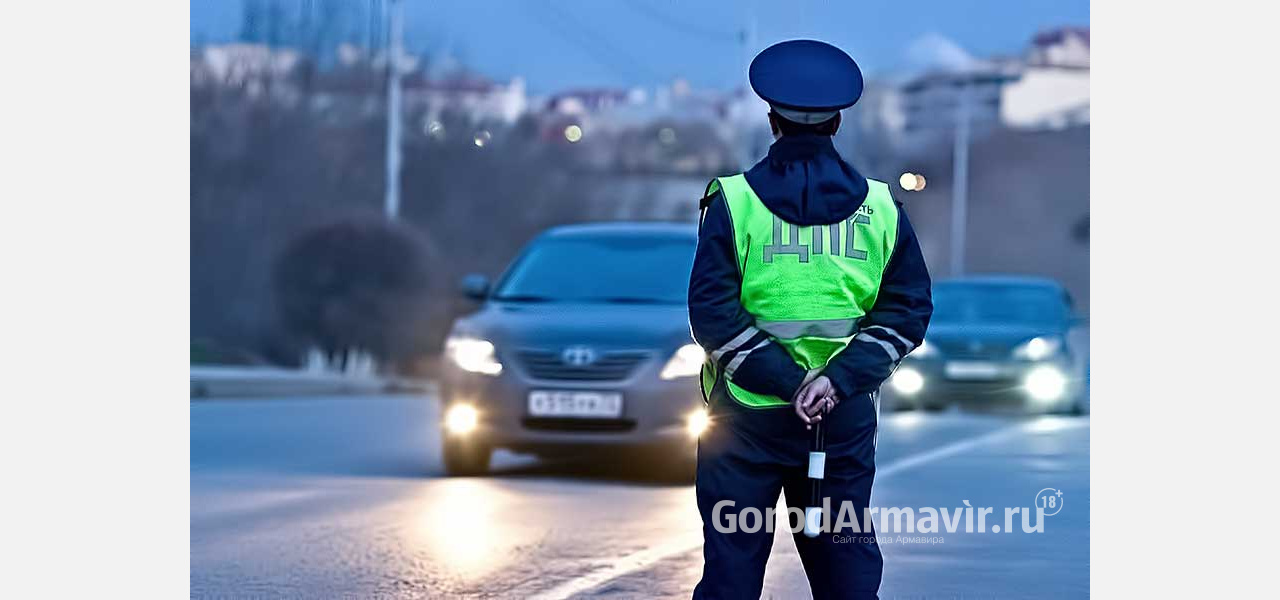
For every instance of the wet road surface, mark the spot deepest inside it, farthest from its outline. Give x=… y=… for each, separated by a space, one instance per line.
x=345 y=497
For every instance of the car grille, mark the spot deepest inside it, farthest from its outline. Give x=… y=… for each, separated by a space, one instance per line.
x=1007 y=386
x=977 y=394
x=610 y=366
x=963 y=349
x=571 y=424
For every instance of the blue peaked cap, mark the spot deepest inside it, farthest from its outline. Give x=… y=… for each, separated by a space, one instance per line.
x=806 y=75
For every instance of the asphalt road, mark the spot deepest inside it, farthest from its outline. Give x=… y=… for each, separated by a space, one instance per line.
x=344 y=497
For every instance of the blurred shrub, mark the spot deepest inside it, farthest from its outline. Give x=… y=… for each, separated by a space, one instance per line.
x=354 y=284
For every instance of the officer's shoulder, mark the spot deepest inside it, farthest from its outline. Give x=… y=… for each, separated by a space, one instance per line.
x=872 y=181
x=888 y=189
x=711 y=196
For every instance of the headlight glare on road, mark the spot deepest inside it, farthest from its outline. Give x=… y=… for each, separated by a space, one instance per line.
x=461 y=419
x=1038 y=348
x=1045 y=384
x=697 y=422
x=907 y=381
x=686 y=362
x=473 y=355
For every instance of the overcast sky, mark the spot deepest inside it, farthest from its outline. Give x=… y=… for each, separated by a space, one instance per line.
x=557 y=44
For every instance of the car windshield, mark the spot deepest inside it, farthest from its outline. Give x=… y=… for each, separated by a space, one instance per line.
x=998 y=304
x=628 y=269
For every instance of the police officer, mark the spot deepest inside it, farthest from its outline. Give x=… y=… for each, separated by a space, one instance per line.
x=807 y=289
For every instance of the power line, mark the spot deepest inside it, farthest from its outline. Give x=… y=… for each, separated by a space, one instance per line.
x=716 y=35
x=600 y=48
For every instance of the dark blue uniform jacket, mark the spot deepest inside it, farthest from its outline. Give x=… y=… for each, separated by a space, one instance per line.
x=804 y=181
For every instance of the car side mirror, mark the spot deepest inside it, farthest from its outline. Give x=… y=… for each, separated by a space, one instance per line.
x=475 y=287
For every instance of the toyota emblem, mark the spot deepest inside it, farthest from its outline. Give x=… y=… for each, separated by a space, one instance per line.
x=578 y=356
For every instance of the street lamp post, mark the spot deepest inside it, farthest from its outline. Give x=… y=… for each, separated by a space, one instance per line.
x=396 y=26
x=960 y=182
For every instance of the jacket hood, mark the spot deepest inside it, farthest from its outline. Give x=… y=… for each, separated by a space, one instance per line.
x=804 y=181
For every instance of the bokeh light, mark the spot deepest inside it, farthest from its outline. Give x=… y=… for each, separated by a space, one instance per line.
x=434 y=129
x=907 y=181
x=911 y=182
x=667 y=136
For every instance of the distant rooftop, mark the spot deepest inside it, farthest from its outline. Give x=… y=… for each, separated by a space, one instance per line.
x=1053 y=37
x=1061 y=47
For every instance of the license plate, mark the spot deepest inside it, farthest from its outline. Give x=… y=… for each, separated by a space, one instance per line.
x=972 y=370
x=594 y=405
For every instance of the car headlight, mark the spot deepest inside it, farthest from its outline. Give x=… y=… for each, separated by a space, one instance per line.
x=473 y=355
x=461 y=419
x=1045 y=383
x=924 y=350
x=686 y=362
x=697 y=422
x=907 y=381
x=1038 y=348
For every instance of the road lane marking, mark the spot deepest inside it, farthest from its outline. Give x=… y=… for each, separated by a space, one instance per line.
x=630 y=563
x=241 y=504
x=646 y=558
x=962 y=446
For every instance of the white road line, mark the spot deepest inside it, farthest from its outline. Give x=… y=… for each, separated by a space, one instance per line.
x=645 y=558
x=954 y=448
x=630 y=563
x=242 y=504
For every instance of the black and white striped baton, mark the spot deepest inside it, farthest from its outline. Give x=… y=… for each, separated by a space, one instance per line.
x=817 y=467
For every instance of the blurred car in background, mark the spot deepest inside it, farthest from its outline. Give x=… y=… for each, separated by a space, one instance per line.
x=998 y=340
x=582 y=344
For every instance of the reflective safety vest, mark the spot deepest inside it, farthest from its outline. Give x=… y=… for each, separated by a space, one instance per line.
x=806 y=286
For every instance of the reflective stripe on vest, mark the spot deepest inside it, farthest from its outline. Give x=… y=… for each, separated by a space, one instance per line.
x=806 y=286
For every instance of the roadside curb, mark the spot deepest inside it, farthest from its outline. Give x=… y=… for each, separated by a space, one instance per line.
x=210 y=383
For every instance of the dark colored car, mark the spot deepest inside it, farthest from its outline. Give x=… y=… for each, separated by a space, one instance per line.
x=1009 y=340
x=582 y=344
